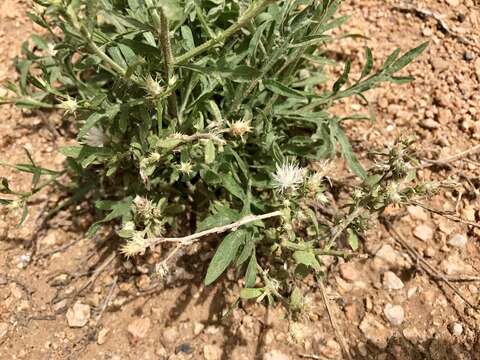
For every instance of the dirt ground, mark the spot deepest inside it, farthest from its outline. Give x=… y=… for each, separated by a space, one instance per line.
x=388 y=303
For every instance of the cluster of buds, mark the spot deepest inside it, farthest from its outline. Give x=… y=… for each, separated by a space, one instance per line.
x=70 y=105
x=185 y=167
x=240 y=128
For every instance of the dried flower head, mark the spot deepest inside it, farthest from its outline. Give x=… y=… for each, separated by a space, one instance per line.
x=136 y=245
x=153 y=87
x=185 y=167
x=288 y=176
x=95 y=137
x=70 y=106
x=240 y=128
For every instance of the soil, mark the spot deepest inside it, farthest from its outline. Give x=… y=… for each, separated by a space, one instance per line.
x=386 y=305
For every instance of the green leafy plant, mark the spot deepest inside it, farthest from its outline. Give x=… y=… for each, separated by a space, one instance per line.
x=202 y=117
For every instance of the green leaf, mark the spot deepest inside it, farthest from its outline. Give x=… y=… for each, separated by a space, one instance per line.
x=367 y=69
x=348 y=154
x=306 y=258
x=251 y=293
x=220 y=218
x=251 y=274
x=296 y=299
x=407 y=58
x=232 y=186
x=280 y=89
x=352 y=239
x=91 y=122
x=225 y=254
x=342 y=80
x=209 y=152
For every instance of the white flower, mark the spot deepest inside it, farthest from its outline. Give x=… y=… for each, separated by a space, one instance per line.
x=70 y=105
x=288 y=176
x=51 y=50
x=95 y=137
x=153 y=87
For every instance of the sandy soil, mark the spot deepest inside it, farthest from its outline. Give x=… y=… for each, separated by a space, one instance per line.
x=386 y=304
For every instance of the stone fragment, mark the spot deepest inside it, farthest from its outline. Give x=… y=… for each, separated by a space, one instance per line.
x=391 y=281
x=457 y=240
x=348 y=271
x=394 y=314
x=374 y=331
x=456 y=329
x=78 y=315
x=102 y=336
x=212 y=352
x=275 y=355
x=139 y=328
x=423 y=232
x=417 y=213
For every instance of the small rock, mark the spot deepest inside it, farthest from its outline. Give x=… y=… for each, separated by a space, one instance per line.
x=275 y=355
x=3 y=331
x=429 y=252
x=394 y=314
x=392 y=281
x=16 y=291
x=456 y=329
x=139 y=328
x=454 y=265
x=170 y=335
x=374 y=331
x=23 y=261
x=212 y=352
x=468 y=56
x=429 y=124
x=348 y=271
x=59 y=280
x=417 y=212
x=60 y=306
x=457 y=240
x=102 y=336
x=438 y=64
x=477 y=68
x=198 y=328
x=423 y=232
x=331 y=350
x=184 y=348
x=362 y=349
x=78 y=315
x=412 y=334
x=426 y=31
x=388 y=254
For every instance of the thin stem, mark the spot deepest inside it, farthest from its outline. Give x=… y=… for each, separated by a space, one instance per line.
x=186 y=240
x=242 y=21
x=338 y=230
x=164 y=33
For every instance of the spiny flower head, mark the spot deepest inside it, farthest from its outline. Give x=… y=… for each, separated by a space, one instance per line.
x=153 y=87
x=136 y=245
x=185 y=167
x=288 y=176
x=240 y=128
x=95 y=137
x=70 y=106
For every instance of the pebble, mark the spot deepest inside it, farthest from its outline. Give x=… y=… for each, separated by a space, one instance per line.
x=388 y=254
x=275 y=355
x=139 y=328
x=456 y=329
x=348 y=271
x=453 y=264
x=453 y=2
x=102 y=336
x=438 y=64
x=78 y=315
x=417 y=213
x=375 y=331
x=392 y=281
x=198 y=328
x=331 y=350
x=423 y=232
x=170 y=335
x=394 y=314
x=429 y=124
x=468 y=56
x=3 y=331
x=212 y=352
x=457 y=240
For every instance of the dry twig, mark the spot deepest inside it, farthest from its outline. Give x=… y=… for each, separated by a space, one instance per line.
x=333 y=322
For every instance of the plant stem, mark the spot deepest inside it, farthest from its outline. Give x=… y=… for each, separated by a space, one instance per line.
x=186 y=240
x=163 y=28
x=242 y=21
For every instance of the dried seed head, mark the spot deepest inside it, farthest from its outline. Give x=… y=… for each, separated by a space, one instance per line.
x=70 y=106
x=154 y=157
x=240 y=128
x=288 y=176
x=95 y=137
x=141 y=204
x=153 y=87
x=129 y=226
x=185 y=167
x=137 y=245
x=393 y=192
